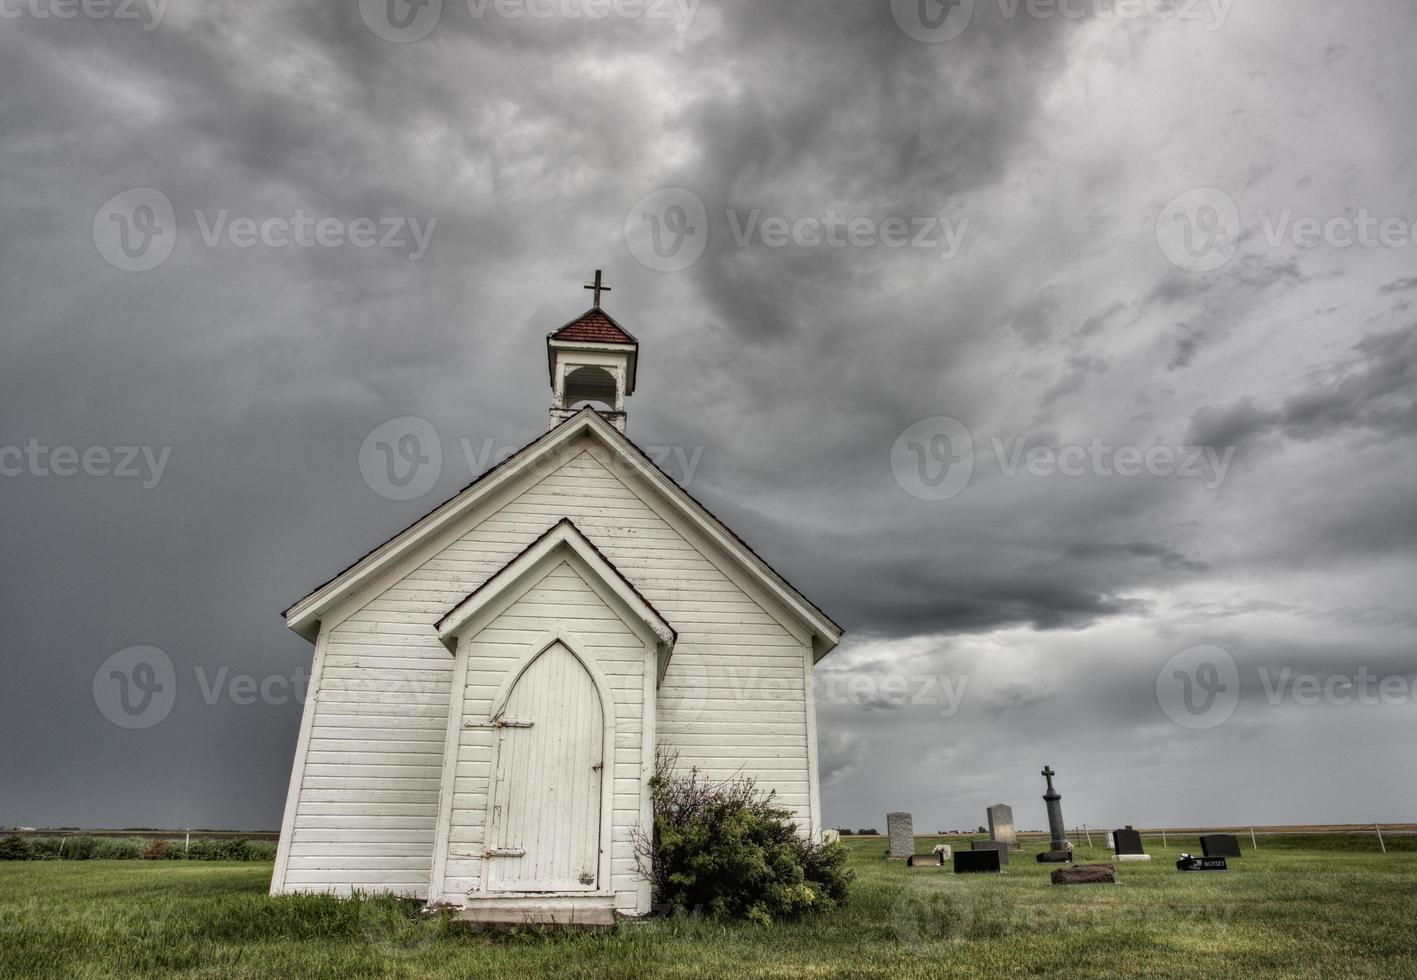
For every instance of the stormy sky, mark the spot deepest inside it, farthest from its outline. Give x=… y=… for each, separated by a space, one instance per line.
x=1065 y=353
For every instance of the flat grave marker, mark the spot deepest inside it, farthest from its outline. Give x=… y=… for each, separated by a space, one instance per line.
x=977 y=862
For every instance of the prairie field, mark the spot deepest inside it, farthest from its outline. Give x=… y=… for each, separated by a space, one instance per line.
x=1297 y=907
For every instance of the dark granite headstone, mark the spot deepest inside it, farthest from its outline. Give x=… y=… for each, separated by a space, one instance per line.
x=1086 y=874
x=1055 y=857
x=1189 y=863
x=976 y=862
x=1220 y=845
x=1127 y=841
x=992 y=845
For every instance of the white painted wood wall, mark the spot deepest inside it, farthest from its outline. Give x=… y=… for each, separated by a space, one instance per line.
x=736 y=698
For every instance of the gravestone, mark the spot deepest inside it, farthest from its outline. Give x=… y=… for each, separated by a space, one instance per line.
x=944 y=852
x=1111 y=844
x=977 y=862
x=1220 y=845
x=992 y=845
x=1058 y=837
x=1001 y=825
x=1191 y=863
x=1128 y=845
x=831 y=836
x=925 y=861
x=901 y=833
x=1086 y=874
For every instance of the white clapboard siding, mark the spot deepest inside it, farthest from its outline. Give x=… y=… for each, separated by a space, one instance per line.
x=621 y=660
x=734 y=701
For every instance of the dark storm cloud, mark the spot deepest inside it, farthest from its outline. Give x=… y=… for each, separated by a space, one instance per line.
x=1375 y=390
x=793 y=369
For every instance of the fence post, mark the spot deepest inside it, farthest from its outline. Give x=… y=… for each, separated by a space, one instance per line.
x=1379 y=829
x=188 y=845
x=1254 y=843
x=1163 y=836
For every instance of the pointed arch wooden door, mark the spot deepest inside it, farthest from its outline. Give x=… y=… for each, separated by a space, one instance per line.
x=544 y=820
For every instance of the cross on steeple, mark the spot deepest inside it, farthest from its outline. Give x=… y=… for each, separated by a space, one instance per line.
x=599 y=287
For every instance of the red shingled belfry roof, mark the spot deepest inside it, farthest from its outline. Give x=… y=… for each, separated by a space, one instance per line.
x=595 y=327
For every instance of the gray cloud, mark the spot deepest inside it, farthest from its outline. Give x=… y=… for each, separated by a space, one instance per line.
x=794 y=369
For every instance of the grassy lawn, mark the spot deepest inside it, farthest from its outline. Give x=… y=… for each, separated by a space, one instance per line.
x=1315 y=908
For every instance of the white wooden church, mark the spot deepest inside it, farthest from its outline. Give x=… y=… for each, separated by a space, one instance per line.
x=490 y=686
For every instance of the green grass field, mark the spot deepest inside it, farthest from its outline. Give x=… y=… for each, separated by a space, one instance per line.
x=1314 y=908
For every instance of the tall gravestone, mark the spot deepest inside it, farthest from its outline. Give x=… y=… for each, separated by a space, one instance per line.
x=1058 y=847
x=901 y=833
x=1001 y=826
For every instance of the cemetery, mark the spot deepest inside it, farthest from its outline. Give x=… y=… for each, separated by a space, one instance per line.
x=207 y=919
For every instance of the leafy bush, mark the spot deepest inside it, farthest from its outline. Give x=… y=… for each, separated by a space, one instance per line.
x=728 y=851
x=13 y=847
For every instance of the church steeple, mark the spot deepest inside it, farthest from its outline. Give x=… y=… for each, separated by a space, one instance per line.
x=592 y=361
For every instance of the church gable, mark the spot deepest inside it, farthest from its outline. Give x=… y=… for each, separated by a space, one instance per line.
x=575 y=582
